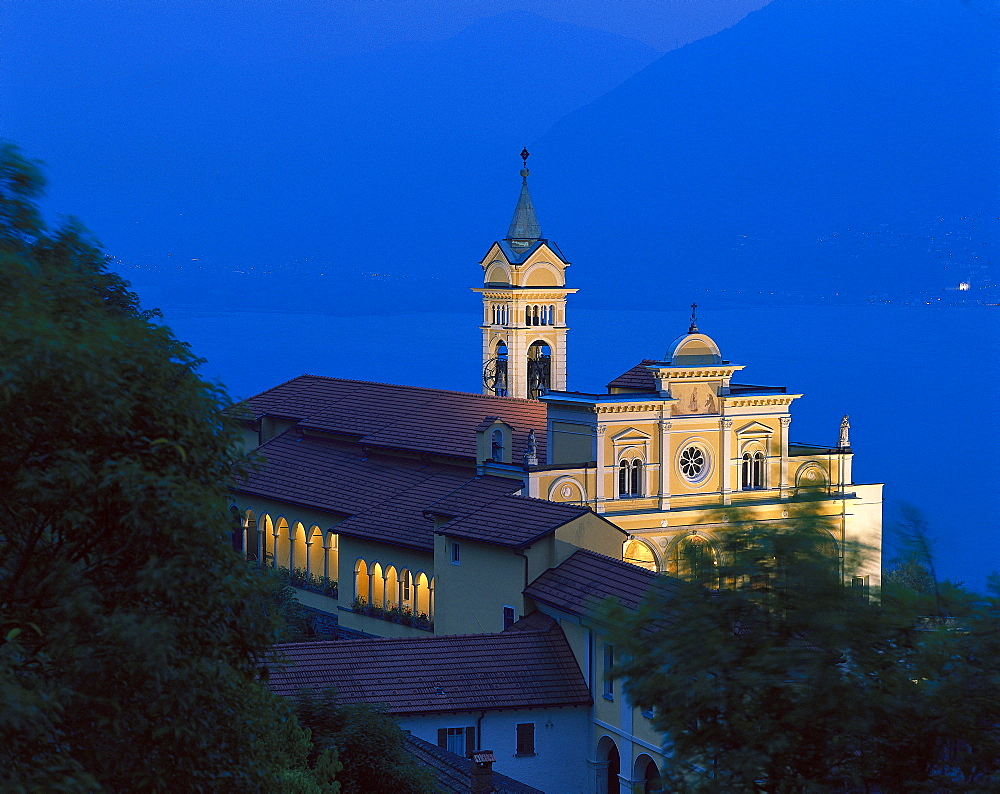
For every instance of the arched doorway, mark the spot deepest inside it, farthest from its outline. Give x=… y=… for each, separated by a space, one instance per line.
x=646 y=772
x=609 y=766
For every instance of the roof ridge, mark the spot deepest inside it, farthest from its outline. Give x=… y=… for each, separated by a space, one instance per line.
x=521 y=400
x=483 y=636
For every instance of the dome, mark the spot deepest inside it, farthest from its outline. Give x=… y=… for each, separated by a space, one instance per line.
x=693 y=350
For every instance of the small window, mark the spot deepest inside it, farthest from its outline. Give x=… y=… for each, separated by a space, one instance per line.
x=509 y=617
x=609 y=663
x=525 y=739
x=460 y=741
x=456 y=554
x=859 y=585
x=496 y=446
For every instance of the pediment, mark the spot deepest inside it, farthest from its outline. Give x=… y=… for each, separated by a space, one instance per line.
x=630 y=436
x=755 y=429
x=495 y=254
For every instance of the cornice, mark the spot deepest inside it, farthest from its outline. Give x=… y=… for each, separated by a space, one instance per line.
x=743 y=402
x=670 y=373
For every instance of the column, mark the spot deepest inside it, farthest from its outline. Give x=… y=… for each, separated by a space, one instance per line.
x=664 y=426
x=725 y=428
x=599 y=485
x=783 y=477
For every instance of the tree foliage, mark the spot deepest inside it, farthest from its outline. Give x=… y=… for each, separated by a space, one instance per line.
x=366 y=740
x=130 y=630
x=785 y=680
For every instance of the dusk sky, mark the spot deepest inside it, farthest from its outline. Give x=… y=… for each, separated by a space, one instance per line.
x=306 y=186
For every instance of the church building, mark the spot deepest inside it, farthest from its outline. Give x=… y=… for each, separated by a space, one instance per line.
x=408 y=515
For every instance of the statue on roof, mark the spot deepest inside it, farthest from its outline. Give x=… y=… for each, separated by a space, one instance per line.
x=531 y=454
x=845 y=427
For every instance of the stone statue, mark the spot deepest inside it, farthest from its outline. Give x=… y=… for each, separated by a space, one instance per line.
x=845 y=427
x=531 y=455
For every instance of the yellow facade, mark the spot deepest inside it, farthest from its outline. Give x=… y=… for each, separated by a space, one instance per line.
x=698 y=453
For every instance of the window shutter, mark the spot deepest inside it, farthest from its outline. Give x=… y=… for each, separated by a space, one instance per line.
x=470 y=741
x=526 y=738
x=443 y=738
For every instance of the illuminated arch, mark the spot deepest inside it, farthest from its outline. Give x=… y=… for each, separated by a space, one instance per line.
x=640 y=553
x=362 y=583
x=694 y=557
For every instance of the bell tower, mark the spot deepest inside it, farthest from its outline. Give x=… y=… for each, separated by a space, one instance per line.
x=524 y=307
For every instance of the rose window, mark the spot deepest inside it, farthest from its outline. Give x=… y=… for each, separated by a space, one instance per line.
x=692 y=462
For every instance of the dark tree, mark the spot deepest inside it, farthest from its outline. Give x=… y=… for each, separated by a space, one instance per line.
x=131 y=630
x=786 y=680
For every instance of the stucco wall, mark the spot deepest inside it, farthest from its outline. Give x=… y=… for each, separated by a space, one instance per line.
x=562 y=740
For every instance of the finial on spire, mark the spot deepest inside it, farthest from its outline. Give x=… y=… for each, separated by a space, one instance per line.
x=693 y=328
x=524 y=226
x=844 y=442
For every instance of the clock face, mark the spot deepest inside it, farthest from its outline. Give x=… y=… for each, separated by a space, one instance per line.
x=495 y=376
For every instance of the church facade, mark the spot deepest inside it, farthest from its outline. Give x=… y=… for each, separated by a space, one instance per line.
x=407 y=513
x=676 y=452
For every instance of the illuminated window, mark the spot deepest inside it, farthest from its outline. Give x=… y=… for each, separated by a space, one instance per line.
x=525 y=739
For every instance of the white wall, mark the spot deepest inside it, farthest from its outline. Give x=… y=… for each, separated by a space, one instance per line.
x=562 y=741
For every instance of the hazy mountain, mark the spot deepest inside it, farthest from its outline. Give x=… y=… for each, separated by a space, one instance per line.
x=816 y=146
x=355 y=162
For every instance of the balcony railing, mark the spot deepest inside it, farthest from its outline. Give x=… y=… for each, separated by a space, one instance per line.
x=403 y=615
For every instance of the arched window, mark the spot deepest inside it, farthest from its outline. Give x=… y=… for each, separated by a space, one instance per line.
x=391 y=588
x=362 y=583
x=630 y=477
x=752 y=471
x=378 y=586
x=496 y=446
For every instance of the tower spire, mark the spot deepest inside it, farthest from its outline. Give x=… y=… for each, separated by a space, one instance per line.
x=524 y=225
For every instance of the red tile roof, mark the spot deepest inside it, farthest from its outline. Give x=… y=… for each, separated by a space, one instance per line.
x=454 y=773
x=636 y=379
x=512 y=521
x=584 y=579
x=442 y=674
x=381 y=498
x=401 y=417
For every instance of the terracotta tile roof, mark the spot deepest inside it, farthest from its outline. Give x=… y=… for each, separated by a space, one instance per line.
x=512 y=520
x=441 y=674
x=381 y=498
x=454 y=773
x=636 y=379
x=586 y=578
x=402 y=417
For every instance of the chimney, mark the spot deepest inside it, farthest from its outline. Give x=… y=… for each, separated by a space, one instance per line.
x=482 y=771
